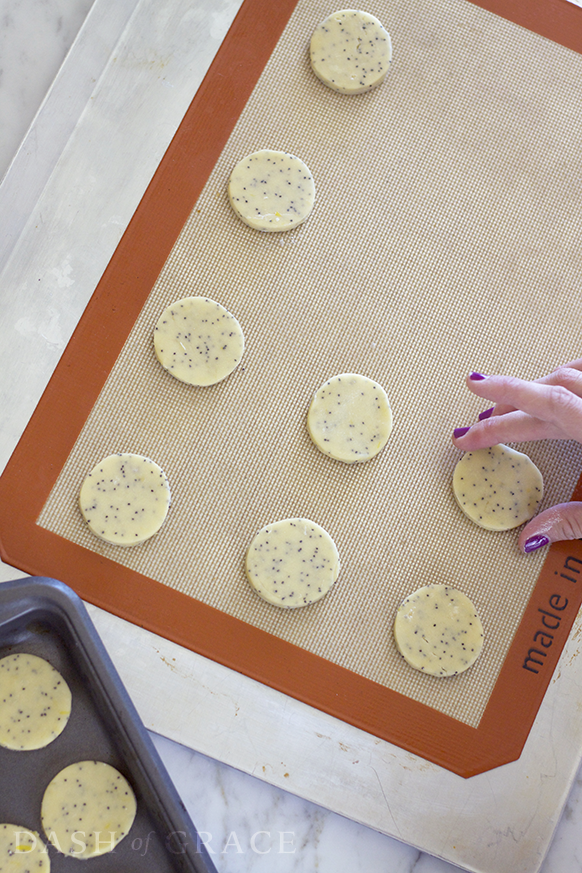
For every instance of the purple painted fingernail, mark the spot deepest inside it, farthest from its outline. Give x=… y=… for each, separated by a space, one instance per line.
x=486 y=414
x=460 y=431
x=477 y=377
x=536 y=542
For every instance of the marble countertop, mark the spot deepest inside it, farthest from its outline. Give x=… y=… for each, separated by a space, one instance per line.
x=248 y=825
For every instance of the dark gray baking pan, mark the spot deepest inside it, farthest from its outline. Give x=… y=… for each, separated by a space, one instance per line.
x=46 y=618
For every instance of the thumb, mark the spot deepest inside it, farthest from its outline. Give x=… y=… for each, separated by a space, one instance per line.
x=561 y=522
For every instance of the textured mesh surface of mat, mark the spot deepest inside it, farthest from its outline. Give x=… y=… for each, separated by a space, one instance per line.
x=445 y=237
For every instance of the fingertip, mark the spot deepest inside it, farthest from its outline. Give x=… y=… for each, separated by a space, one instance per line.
x=460 y=432
x=478 y=383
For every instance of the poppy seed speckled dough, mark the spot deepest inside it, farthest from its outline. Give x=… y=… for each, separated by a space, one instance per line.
x=125 y=499
x=498 y=488
x=35 y=702
x=438 y=631
x=198 y=341
x=22 y=850
x=349 y=418
x=271 y=190
x=87 y=809
x=351 y=51
x=292 y=563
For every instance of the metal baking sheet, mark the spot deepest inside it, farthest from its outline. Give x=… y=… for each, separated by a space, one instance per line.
x=187 y=584
x=44 y=617
x=501 y=821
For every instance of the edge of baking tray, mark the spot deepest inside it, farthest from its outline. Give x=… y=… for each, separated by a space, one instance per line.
x=41 y=597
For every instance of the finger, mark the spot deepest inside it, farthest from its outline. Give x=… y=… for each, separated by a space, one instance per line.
x=569 y=376
x=553 y=403
x=562 y=522
x=514 y=427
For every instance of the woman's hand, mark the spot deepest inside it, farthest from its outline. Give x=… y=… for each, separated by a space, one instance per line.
x=549 y=408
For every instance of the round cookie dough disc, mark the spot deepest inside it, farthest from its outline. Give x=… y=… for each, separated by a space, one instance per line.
x=350 y=418
x=35 y=702
x=351 y=51
x=497 y=488
x=198 y=341
x=125 y=499
x=438 y=631
x=88 y=803
x=271 y=190
x=292 y=563
x=22 y=850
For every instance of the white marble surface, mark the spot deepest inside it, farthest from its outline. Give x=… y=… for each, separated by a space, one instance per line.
x=34 y=39
x=249 y=824
x=234 y=807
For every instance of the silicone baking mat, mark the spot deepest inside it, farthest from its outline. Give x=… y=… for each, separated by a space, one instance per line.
x=446 y=210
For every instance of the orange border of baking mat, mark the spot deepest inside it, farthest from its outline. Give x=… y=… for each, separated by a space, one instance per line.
x=69 y=397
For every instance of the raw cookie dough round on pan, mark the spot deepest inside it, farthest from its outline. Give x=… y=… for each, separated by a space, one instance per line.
x=438 y=631
x=271 y=190
x=350 y=418
x=198 y=341
x=351 y=51
x=35 y=702
x=292 y=563
x=125 y=499
x=87 y=809
x=498 y=488
x=22 y=850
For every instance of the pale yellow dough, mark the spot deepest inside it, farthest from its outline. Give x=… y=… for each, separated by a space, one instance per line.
x=35 y=702
x=198 y=341
x=350 y=418
x=87 y=809
x=292 y=563
x=351 y=51
x=438 y=631
x=271 y=190
x=497 y=488
x=125 y=499
x=22 y=851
